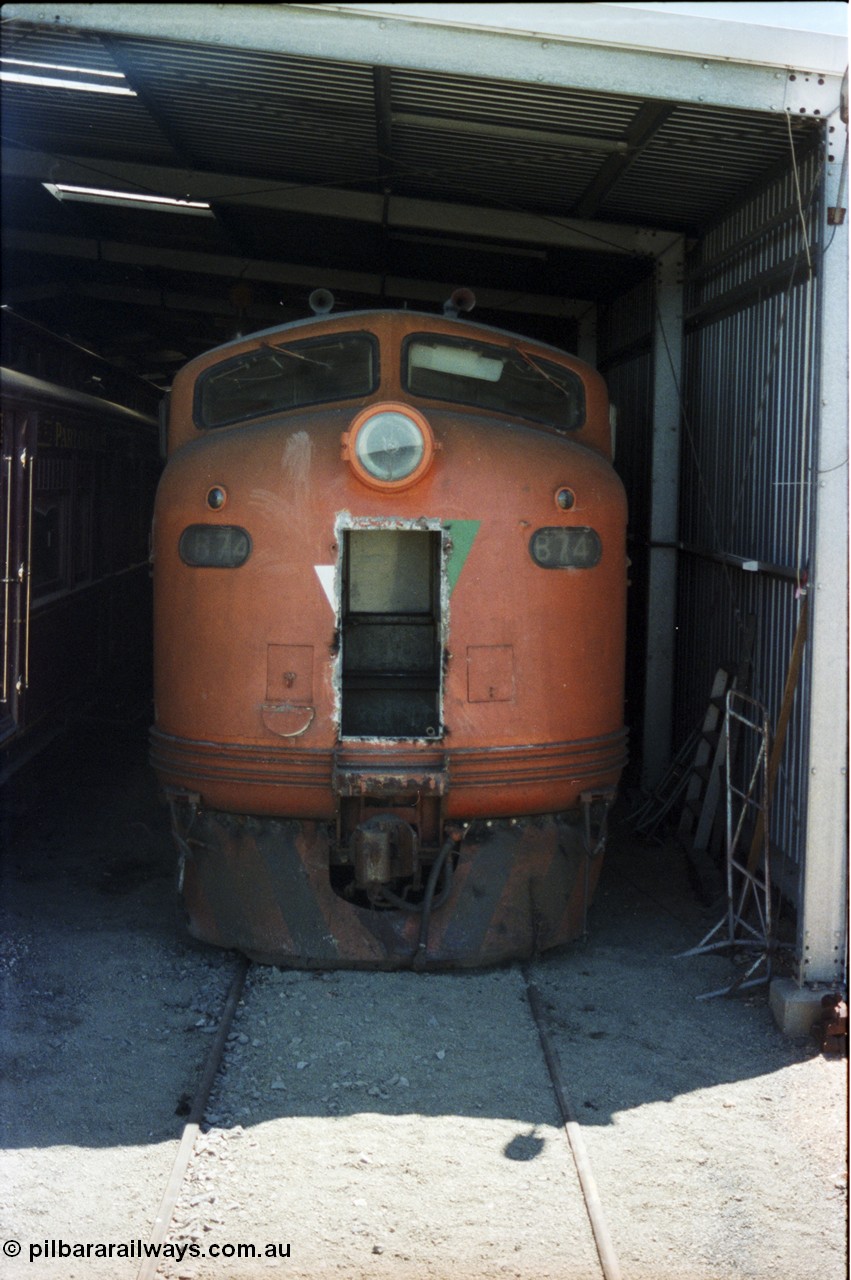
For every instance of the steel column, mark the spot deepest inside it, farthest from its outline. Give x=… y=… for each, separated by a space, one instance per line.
x=663 y=533
x=822 y=921
x=588 y=336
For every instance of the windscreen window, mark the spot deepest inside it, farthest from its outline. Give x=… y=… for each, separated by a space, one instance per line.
x=501 y=379
x=276 y=377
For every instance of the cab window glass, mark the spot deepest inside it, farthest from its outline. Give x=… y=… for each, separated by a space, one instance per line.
x=502 y=379
x=280 y=376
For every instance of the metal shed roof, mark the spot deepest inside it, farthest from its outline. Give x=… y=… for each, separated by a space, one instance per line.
x=535 y=153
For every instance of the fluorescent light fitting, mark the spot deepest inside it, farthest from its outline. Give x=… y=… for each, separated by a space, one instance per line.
x=128 y=199
x=61 y=66
x=51 y=75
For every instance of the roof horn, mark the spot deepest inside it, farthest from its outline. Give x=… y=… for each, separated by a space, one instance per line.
x=321 y=301
x=460 y=300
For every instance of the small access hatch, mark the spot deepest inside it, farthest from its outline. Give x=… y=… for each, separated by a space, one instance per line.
x=391 y=651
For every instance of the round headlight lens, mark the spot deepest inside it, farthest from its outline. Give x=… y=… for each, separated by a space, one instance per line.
x=390 y=445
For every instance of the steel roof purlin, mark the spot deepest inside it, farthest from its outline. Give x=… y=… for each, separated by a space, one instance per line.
x=393 y=211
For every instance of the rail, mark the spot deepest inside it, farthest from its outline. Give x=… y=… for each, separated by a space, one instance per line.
x=150 y=1265
x=590 y=1192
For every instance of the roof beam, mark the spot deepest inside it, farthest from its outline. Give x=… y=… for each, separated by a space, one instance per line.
x=647 y=120
x=594 y=47
x=180 y=261
x=401 y=213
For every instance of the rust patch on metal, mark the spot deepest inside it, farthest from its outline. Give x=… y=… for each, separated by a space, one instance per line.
x=385 y=782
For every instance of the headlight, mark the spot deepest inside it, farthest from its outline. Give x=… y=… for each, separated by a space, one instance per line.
x=389 y=446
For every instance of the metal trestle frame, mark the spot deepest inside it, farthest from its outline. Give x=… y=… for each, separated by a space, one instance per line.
x=747 y=923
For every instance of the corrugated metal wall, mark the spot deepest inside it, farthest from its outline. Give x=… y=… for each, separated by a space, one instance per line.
x=749 y=419
x=750 y=416
x=625 y=360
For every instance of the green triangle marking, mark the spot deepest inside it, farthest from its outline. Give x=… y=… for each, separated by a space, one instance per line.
x=462 y=534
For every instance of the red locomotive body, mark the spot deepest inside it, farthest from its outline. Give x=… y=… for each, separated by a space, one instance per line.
x=390 y=581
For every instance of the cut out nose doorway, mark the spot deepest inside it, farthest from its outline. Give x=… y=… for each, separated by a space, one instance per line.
x=391 y=653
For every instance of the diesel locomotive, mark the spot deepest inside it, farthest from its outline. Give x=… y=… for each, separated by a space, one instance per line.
x=389 y=556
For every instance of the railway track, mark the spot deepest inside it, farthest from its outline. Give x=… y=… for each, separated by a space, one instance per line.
x=191 y=1129
x=221 y=1174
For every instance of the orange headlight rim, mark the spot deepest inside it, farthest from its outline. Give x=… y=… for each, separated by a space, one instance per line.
x=363 y=418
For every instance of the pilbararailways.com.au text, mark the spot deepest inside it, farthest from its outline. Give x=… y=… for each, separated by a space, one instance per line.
x=48 y=1249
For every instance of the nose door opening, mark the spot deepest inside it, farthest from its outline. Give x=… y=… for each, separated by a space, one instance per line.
x=391 y=650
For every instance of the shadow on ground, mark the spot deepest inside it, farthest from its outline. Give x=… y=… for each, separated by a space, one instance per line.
x=109 y=1009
